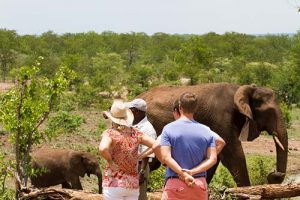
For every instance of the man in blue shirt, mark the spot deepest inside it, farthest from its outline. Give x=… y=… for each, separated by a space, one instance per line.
x=188 y=149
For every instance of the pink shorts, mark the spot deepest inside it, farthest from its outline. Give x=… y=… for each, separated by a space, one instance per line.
x=177 y=189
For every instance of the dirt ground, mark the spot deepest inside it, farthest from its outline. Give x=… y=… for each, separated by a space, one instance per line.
x=265 y=146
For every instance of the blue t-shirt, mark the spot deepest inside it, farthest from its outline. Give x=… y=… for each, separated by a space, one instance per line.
x=189 y=141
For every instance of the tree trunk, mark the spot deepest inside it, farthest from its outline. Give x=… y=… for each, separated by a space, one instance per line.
x=265 y=191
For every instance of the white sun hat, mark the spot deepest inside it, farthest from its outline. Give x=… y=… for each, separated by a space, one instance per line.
x=119 y=114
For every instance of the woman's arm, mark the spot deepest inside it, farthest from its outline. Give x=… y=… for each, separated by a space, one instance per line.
x=150 y=150
x=104 y=148
x=146 y=140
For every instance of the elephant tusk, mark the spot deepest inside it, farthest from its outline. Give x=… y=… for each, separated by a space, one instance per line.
x=278 y=142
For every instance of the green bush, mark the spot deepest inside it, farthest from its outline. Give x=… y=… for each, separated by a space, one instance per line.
x=7 y=194
x=68 y=102
x=156 y=179
x=286 y=113
x=63 y=122
x=5 y=172
x=259 y=167
x=86 y=95
x=222 y=178
x=102 y=126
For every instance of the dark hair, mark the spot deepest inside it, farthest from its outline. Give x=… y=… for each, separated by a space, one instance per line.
x=188 y=102
x=176 y=106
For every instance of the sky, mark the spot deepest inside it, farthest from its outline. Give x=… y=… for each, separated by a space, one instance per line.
x=151 y=16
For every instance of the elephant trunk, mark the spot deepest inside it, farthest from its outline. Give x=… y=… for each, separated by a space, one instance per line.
x=281 y=141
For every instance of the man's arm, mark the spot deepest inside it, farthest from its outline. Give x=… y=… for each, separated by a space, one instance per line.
x=220 y=143
x=170 y=162
x=150 y=151
x=211 y=159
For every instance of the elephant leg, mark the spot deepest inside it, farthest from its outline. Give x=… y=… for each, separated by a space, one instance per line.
x=75 y=182
x=66 y=185
x=211 y=172
x=233 y=158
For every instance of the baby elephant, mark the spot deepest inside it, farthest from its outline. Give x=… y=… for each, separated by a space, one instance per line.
x=64 y=167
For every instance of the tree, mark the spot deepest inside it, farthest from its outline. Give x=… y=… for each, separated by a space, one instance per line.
x=107 y=71
x=258 y=73
x=8 y=46
x=25 y=107
x=195 y=56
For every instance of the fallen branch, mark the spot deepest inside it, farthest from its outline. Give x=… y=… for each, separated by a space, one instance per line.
x=58 y=194
x=67 y=194
x=265 y=191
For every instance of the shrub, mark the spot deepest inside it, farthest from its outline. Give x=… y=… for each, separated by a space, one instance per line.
x=156 y=179
x=259 y=168
x=63 y=122
x=222 y=178
x=68 y=102
x=5 y=172
x=286 y=114
x=7 y=194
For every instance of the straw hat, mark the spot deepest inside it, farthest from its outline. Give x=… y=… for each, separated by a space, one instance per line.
x=119 y=114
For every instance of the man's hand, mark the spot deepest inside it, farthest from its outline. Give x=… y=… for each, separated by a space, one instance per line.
x=188 y=171
x=187 y=178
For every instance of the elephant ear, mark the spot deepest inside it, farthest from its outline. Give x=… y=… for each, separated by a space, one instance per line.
x=76 y=163
x=241 y=100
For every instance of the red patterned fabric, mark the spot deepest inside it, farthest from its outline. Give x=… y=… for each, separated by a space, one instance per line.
x=124 y=154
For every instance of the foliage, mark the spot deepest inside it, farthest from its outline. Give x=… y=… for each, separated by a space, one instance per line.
x=294 y=131
x=108 y=61
x=63 y=122
x=102 y=125
x=5 y=171
x=8 y=51
x=156 y=179
x=258 y=73
x=67 y=102
x=286 y=83
x=26 y=106
x=258 y=168
x=8 y=194
x=108 y=71
x=286 y=113
x=86 y=95
x=222 y=178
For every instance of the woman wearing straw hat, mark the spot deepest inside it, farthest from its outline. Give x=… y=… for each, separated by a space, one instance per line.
x=119 y=147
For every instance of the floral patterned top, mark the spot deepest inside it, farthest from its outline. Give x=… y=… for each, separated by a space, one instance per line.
x=124 y=153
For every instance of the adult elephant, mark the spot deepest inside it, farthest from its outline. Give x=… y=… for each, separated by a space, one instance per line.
x=234 y=112
x=63 y=166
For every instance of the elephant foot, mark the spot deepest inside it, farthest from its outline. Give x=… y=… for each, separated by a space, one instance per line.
x=275 y=177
